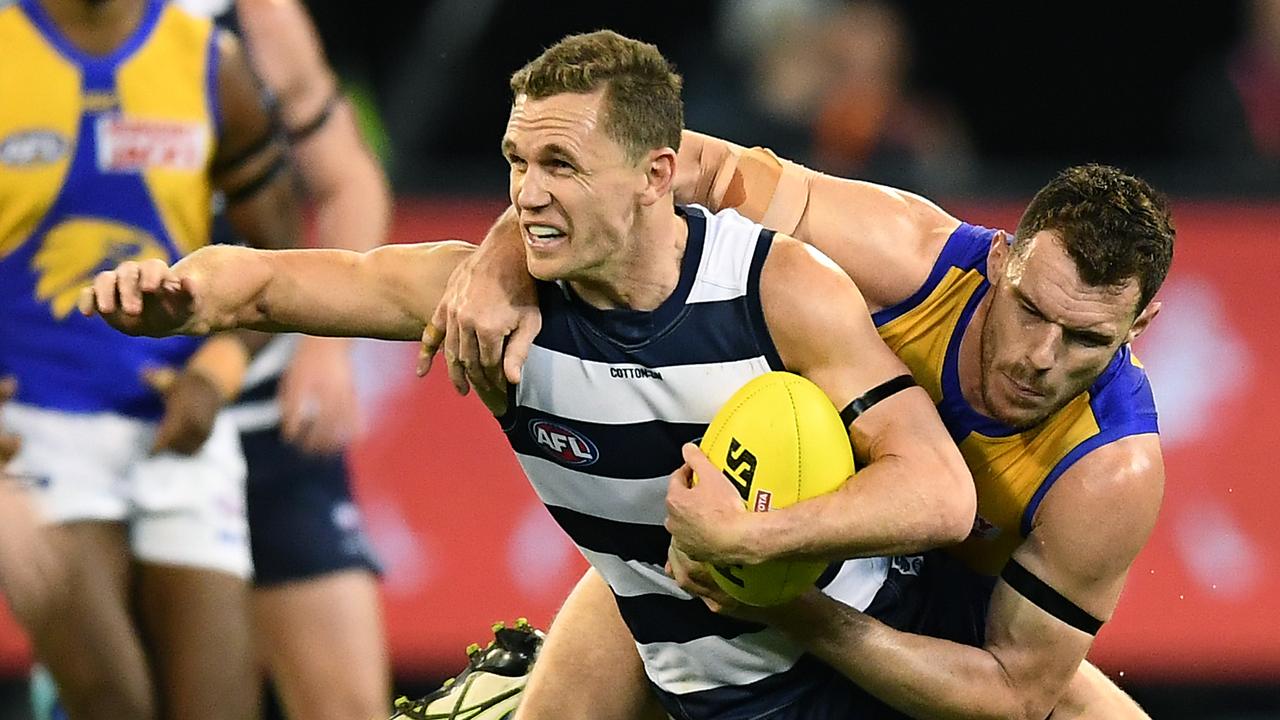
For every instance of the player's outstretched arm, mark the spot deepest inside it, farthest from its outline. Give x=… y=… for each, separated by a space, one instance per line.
x=385 y=293
x=913 y=490
x=1036 y=636
x=884 y=238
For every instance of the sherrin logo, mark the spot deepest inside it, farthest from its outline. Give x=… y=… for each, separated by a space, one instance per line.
x=563 y=444
x=32 y=147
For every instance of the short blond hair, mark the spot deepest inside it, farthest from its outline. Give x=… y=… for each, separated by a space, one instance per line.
x=643 y=109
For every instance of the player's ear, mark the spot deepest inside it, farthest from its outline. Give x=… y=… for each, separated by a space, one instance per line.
x=660 y=172
x=1143 y=321
x=998 y=255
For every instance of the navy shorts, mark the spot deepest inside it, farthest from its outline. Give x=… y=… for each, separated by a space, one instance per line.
x=303 y=522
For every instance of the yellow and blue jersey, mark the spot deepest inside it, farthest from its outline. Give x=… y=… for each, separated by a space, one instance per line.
x=102 y=159
x=1013 y=469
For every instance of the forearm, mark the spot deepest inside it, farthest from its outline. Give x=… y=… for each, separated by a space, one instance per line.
x=924 y=677
x=387 y=293
x=503 y=246
x=892 y=506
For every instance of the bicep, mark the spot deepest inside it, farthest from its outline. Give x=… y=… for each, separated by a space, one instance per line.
x=1082 y=556
x=387 y=293
x=409 y=280
x=250 y=166
x=1037 y=652
x=823 y=331
x=1076 y=545
x=884 y=238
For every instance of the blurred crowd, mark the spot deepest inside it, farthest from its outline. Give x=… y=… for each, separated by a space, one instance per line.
x=949 y=99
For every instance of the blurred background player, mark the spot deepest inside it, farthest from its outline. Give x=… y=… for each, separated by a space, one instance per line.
x=134 y=111
x=317 y=614
x=317 y=617
x=25 y=558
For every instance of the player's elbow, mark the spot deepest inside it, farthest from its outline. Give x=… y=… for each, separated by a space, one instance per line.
x=955 y=500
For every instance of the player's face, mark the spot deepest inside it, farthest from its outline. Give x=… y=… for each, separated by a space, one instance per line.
x=573 y=186
x=1048 y=335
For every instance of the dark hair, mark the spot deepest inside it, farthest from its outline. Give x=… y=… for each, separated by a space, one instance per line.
x=642 y=103
x=1112 y=224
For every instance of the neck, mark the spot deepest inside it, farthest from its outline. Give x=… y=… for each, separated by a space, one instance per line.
x=645 y=270
x=969 y=358
x=96 y=27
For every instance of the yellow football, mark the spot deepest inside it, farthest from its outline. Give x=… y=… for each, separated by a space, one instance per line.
x=778 y=441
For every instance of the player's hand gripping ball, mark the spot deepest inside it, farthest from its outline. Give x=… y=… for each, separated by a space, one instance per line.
x=778 y=440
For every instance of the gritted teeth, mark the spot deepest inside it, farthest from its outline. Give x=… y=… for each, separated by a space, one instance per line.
x=544 y=231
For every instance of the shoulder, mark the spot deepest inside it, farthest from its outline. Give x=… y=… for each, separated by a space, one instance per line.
x=810 y=305
x=795 y=276
x=1102 y=509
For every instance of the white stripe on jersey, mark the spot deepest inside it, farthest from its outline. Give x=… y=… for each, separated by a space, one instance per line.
x=254 y=416
x=724 y=268
x=270 y=361
x=858 y=580
x=633 y=501
x=712 y=662
x=577 y=389
x=630 y=578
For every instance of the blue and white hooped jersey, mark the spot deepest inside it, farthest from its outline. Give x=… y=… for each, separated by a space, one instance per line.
x=608 y=397
x=102 y=159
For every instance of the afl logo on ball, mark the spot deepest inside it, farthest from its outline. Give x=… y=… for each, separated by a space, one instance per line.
x=563 y=444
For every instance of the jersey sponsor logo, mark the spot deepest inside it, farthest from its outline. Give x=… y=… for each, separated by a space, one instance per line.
x=133 y=145
x=563 y=444
x=79 y=248
x=33 y=147
x=634 y=373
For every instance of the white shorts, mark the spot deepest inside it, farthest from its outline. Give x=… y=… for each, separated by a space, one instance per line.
x=181 y=510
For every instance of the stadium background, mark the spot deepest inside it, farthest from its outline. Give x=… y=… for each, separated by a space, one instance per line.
x=974 y=105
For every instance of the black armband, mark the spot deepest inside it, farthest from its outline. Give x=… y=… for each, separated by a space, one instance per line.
x=1047 y=599
x=317 y=121
x=249 y=153
x=866 y=400
x=260 y=181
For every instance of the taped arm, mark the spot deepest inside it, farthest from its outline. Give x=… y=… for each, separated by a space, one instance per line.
x=884 y=238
